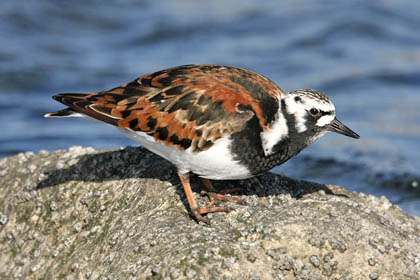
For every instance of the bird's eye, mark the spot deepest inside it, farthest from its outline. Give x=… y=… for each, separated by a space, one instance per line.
x=314 y=111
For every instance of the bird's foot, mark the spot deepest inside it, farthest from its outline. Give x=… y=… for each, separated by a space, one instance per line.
x=215 y=198
x=209 y=208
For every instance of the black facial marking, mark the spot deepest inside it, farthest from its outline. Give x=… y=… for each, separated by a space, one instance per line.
x=310 y=120
x=198 y=132
x=247 y=149
x=151 y=123
x=163 y=132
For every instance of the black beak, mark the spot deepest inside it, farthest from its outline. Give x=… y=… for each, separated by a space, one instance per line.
x=339 y=127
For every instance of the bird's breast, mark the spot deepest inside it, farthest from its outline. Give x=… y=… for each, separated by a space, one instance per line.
x=216 y=163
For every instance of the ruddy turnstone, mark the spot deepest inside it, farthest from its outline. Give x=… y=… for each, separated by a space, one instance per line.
x=219 y=122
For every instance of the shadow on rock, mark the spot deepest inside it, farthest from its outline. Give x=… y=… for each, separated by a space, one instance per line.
x=137 y=162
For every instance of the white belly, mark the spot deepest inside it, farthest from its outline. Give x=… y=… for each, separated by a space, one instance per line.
x=216 y=163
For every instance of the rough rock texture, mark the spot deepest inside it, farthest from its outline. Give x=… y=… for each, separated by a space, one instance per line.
x=86 y=214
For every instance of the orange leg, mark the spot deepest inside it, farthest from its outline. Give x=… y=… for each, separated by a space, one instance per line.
x=198 y=211
x=214 y=197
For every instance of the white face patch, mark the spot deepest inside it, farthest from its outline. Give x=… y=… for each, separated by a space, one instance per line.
x=324 y=120
x=300 y=121
x=274 y=134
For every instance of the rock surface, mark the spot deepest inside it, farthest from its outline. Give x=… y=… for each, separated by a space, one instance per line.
x=86 y=214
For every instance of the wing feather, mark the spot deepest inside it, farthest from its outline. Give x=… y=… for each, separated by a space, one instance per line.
x=187 y=106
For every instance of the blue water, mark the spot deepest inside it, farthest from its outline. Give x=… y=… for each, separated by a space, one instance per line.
x=364 y=54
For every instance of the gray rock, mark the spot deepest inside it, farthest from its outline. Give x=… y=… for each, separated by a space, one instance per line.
x=81 y=213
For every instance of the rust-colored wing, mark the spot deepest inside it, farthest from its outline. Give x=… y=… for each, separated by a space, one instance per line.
x=187 y=106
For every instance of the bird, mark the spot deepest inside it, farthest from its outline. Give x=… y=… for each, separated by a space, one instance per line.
x=218 y=122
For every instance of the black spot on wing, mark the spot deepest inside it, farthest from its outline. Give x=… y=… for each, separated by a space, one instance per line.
x=163 y=132
x=184 y=142
x=174 y=139
x=133 y=124
x=151 y=123
x=125 y=114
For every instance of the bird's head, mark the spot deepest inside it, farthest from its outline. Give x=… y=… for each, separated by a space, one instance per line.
x=314 y=114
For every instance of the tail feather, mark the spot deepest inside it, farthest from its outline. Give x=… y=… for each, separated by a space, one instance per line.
x=68 y=112
x=66 y=98
x=81 y=105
